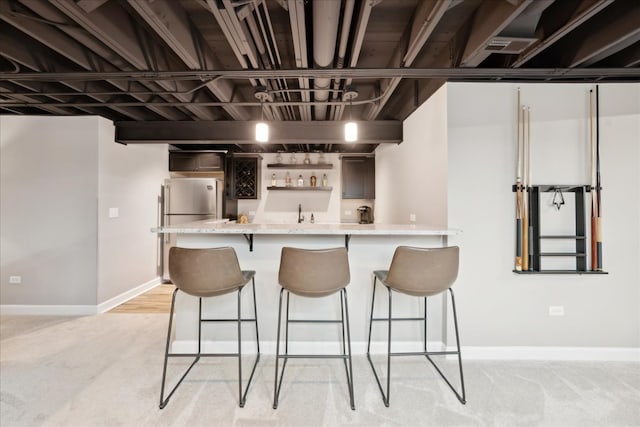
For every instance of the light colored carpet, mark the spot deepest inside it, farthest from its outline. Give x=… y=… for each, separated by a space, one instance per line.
x=105 y=371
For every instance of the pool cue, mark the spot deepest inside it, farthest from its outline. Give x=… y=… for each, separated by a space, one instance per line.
x=598 y=189
x=518 y=262
x=529 y=188
x=525 y=204
x=594 y=250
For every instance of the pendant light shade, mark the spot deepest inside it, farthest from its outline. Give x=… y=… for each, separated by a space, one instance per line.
x=262 y=128
x=351 y=132
x=350 y=127
x=262 y=132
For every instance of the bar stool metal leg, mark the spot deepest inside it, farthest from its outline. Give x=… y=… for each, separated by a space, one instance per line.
x=243 y=396
x=461 y=397
x=349 y=371
x=163 y=401
x=385 y=395
x=199 y=354
x=278 y=384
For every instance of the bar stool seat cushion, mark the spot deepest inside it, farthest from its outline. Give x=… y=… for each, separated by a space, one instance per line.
x=314 y=272
x=207 y=272
x=421 y=271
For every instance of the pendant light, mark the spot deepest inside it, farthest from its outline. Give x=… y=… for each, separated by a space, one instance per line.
x=350 y=127
x=262 y=128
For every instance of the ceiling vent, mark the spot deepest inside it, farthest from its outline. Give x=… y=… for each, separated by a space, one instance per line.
x=503 y=44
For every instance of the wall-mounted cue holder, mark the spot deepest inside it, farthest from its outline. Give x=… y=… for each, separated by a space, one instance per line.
x=578 y=235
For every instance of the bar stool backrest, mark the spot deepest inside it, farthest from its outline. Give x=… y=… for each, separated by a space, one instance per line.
x=423 y=271
x=205 y=272
x=314 y=272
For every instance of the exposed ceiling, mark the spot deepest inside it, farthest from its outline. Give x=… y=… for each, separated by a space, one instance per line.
x=186 y=72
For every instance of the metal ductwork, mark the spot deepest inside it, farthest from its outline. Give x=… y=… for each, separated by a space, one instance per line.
x=326 y=16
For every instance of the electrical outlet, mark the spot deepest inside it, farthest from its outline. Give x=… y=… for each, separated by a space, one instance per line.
x=412 y=217
x=114 y=212
x=556 y=310
x=15 y=279
x=348 y=212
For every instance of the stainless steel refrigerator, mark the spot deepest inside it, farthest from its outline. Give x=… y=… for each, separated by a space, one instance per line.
x=187 y=200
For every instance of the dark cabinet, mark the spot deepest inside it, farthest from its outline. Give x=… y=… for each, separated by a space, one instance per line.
x=358 y=177
x=190 y=161
x=243 y=177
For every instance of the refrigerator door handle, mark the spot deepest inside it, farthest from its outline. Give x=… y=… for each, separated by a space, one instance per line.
x=167 y=199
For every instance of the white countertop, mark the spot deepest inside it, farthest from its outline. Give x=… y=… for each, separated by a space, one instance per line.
x=212 y=227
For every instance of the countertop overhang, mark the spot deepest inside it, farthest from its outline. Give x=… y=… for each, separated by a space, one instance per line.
x=208 y=227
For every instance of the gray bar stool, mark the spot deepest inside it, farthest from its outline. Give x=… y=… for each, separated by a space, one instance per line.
x=208 y=273
x=314 y=273
x=420 y=272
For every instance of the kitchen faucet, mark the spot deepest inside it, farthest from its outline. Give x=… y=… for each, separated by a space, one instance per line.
x=300 y=216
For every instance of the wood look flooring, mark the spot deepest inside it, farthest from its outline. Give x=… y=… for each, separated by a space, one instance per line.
x=156 y=300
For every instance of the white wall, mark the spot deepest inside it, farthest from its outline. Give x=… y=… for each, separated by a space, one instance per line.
x=411 y=178
x=48 y=209
x=60 y=176
x=496 y=306
x=130 y=179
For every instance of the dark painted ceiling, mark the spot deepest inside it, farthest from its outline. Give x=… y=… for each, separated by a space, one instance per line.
x=160 y=62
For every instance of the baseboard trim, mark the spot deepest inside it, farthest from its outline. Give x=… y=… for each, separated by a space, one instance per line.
x=128 y=295
x=78 y=310
x=612 y=354
x=47 y=310
x=603 y=354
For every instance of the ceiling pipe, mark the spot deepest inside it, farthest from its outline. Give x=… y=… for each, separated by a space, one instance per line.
x=342 y=49
x=298 y=31
x=356 y=45
x=325 y=32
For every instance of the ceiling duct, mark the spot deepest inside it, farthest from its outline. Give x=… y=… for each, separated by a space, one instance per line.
x=326 y=16
x=510 y=45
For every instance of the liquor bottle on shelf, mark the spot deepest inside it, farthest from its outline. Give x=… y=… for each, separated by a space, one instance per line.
x=300 y=181
x=273 y=180
x=313 y=180
x=325 y=180
x=287 y=180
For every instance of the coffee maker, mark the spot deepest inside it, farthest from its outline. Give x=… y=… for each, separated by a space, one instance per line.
x=365 y=215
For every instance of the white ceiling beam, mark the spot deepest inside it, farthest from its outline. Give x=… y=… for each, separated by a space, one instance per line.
x=172 y=24
x=489 y=20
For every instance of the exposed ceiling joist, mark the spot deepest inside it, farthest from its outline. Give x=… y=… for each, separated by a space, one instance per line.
x=173 y=26
x=480 y=74
x=585 y=11
x=66 y=47
x=623 y=32
x=149 y=60
x=86 y=39
x=112 y=26
x=424 y=22
x=490 y=19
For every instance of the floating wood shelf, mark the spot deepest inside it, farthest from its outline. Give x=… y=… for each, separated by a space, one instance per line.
x=561 y=272
x=300 y=166
x=297 y=188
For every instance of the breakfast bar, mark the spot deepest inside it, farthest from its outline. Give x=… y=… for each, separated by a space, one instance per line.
x=258 y=247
